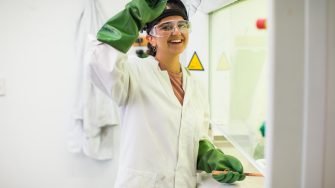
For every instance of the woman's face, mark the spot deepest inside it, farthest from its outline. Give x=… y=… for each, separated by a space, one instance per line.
x=172 y=36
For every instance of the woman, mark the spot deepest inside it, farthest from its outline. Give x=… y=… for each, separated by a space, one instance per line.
x=164 y=116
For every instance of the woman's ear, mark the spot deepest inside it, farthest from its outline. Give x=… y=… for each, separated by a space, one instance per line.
x=151 y=40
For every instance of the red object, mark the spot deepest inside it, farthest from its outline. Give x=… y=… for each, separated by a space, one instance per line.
x=261 y=23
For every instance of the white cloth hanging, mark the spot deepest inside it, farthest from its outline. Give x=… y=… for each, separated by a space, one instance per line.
x=94 y=113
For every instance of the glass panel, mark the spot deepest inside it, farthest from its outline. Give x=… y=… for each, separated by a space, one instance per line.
x=238 y=76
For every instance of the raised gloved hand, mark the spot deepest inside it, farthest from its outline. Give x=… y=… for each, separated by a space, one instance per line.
x=122 y=30
x=212 y=159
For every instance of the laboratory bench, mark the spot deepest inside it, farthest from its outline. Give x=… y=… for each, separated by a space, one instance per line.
x=206 y=180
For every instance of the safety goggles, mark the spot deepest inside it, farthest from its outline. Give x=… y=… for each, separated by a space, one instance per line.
x=167 y=28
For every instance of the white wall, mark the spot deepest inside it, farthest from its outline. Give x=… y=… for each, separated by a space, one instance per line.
x=286 y=92
x=37 y=62
x=329 y=164
x=301 y=128
x=198 y=43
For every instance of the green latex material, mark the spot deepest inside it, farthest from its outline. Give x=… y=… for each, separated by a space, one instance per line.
x=262 y=129
x=210 y=159
x=122 y=30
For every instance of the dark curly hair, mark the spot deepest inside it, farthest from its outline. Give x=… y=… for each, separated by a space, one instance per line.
x=151 y=50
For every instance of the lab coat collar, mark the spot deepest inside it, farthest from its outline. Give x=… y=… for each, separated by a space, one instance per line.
x=187 y=84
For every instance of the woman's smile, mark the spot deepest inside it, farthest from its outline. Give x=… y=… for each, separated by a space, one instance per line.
x=175 y=42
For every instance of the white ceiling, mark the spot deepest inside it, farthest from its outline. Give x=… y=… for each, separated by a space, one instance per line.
x=208 y=6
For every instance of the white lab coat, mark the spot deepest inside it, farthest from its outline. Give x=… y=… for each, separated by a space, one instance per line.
x=95 y=116
x=159 y=136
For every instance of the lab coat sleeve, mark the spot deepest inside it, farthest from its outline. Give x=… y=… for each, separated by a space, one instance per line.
x=205 y=126
x=204 y=132
x=109 y=71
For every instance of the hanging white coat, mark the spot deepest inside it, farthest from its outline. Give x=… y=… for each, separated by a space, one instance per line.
x=159 y=136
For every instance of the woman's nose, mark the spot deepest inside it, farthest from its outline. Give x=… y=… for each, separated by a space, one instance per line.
x=175 y=29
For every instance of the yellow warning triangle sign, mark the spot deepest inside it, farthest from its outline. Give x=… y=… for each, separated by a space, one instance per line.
x=224 y=63
x=195 y=63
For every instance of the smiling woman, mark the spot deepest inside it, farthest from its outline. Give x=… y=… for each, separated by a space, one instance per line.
x=165 y=117
x=159 y=27
x=167 y=42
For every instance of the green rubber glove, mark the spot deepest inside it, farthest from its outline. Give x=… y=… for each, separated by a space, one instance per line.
x=122 y=30
x=210 y=159
x=262 y=129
